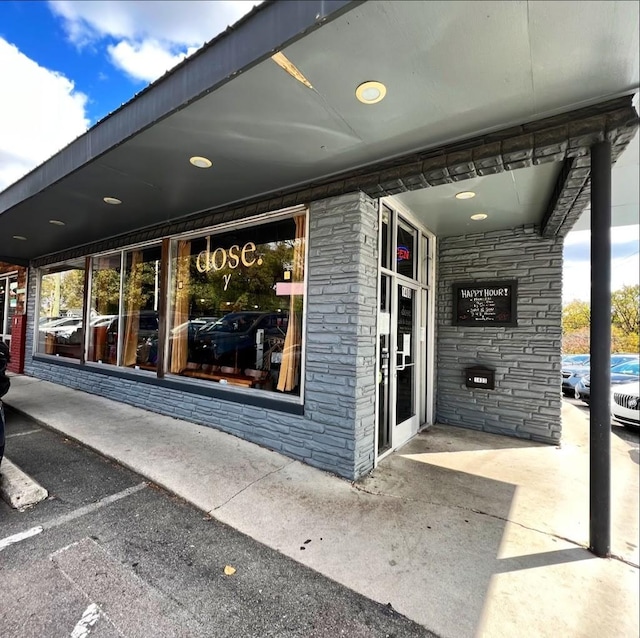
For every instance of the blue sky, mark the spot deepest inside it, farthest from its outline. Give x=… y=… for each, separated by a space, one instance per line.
x=66 y=64
x=40 y=35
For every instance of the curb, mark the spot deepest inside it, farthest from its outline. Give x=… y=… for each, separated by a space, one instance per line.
x=17 y=488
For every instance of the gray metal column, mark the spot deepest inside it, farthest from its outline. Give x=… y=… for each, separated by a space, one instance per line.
x=600 y=415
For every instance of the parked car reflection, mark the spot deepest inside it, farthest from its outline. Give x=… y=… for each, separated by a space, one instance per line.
x=237 y=339
x=626 y=372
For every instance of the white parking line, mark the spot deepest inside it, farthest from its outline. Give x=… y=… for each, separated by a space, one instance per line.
x=65 y=518
x=11 y=436
x=87 y=509
x=10 y=540
x=88 y=620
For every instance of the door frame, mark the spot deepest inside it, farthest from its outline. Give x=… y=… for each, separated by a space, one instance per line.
x=424 y=328
x=403 y=431
x=5 y=324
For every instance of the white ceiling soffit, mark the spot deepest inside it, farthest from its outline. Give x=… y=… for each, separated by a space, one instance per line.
x=453 y=70
x=625 y=188
x=458 y=69
x=509 y=199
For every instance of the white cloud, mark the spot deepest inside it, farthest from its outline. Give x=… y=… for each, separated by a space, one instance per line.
x=146 y=61
x=148 y=38
x=625 y=261
x=42 y=116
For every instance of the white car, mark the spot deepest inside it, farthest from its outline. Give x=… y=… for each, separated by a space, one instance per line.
x=625 y=404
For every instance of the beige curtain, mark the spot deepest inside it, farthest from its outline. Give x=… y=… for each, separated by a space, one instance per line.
x=132 y=309
x=290 y=366
x=179 y=344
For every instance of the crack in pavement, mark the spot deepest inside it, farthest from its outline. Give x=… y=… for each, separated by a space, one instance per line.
x=246 y=487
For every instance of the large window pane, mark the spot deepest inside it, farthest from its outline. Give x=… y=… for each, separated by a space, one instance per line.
x=140 y=308
x=105 y=309
x=61 y=309
x=237 y=304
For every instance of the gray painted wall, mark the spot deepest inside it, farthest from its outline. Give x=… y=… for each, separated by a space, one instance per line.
x=336 y=432
x=527 y=400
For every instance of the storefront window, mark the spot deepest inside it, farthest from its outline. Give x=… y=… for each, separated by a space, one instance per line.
x=61 y=310
x=141 y=294
x=237 y=303
x=104 y=309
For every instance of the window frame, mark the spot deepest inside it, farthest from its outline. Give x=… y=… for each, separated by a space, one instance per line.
x=221 y=229
x=168 y=244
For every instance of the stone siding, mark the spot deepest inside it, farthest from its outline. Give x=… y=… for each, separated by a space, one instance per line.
x=526 y=401
x=336 y=432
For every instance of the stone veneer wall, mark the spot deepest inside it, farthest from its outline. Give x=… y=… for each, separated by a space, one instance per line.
x=527 y=400
x=336 y=432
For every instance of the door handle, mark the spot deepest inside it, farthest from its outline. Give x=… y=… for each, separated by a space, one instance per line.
x=405 y=356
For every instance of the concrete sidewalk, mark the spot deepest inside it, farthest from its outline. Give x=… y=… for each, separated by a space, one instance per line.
x=469 y=534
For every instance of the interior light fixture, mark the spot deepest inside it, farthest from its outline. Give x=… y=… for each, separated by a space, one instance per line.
x=20 y=237
x=114 y=201
x=465 y=195
x=371 y=92
x=56 y=222
x=200 y=162
x=478 y=216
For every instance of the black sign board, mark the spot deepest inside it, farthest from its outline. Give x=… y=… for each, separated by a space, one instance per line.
x=485 y=303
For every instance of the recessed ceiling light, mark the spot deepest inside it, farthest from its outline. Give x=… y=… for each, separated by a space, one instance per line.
x=56 y=222
x=112 y=200
x=371 y=92
x=20 y=237
x=200 y=162
x=465 y=195
x=479 y=216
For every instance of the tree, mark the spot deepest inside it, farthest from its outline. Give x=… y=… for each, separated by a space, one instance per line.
x=575 y=315
x=625 y=313
x=625 y=323
x=576 y=341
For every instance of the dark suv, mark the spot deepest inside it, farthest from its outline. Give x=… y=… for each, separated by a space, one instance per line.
x=233 y=340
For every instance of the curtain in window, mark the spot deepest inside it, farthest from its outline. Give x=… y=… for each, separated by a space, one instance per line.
x=179 y=348
x=290 y=366
x=132 y=309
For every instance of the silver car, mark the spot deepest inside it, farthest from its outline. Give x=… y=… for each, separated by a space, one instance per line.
x=625 y=404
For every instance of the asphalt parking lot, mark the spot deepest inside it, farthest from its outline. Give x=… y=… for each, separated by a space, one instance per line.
x=625 y=434
x=110 y=554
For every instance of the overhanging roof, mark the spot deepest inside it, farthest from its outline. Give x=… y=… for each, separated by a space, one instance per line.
x=454 y=72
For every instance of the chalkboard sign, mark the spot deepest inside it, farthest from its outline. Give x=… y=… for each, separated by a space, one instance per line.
x=485 y=303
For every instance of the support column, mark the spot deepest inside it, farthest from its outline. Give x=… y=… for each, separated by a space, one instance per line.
x=600 y=412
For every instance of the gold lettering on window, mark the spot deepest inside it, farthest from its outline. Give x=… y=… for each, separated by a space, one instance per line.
x=232 y=258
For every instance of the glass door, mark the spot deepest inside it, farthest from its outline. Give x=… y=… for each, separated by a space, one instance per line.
x=404 y=393
x=406 y=363
x=8 y=304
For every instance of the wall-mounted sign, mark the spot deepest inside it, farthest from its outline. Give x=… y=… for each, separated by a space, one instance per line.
x=485 y=303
